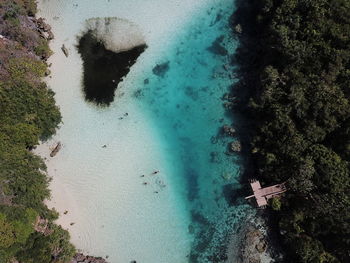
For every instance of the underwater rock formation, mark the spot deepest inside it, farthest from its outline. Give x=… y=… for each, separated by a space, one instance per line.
x=108 y=47
x=81 y=258
x=161 y=69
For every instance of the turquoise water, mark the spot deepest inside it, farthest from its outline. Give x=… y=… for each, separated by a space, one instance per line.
x=173 y=96
x=183 y=96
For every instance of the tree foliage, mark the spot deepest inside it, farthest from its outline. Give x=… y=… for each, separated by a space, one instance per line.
x=295 y=63
x=28 y=114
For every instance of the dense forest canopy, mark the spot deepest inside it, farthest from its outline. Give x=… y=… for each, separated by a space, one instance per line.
x=27 y=113
x=295 y=67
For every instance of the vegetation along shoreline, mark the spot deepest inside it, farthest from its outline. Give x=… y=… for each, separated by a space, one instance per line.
x=28 y=114
x=294 y=81
x=294 y=77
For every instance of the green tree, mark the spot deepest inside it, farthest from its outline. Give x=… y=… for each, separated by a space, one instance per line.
x=7 y=236
x=276 y=204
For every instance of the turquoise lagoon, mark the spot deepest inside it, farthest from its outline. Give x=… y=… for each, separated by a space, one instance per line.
x=173 y=94
x=184 y=102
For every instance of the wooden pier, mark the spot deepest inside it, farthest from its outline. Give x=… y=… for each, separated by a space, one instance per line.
x=262 y=195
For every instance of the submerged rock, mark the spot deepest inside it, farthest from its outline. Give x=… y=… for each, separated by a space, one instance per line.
x=191 y=229
x=228 y=97
x=161 y=69
x=235 y=146
x=228 y=130
x=214 y=139
x=217 y=48
x=238 y=28
x=214 y=157
x=192 y=93
x=226 y=176
x=138 y=93
x=228 y=105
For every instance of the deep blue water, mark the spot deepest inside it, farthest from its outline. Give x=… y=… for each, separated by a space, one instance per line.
x=183 y=94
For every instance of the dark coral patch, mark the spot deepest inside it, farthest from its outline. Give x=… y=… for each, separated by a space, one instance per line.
x=104 y=69
x=161 y=69
x=217 y=48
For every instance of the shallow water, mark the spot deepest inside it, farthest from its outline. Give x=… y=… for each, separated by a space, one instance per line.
x=173 y=97
x=185 y=104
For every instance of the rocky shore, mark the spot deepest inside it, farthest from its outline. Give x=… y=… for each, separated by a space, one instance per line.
x=254 y=245
x=81 y=258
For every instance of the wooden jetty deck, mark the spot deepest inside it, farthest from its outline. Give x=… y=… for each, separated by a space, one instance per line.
x=262 y=195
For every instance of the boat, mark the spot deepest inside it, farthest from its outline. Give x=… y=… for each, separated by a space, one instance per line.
x=56 y=149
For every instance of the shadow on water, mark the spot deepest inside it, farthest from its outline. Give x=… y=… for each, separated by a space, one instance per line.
x=104 y=69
